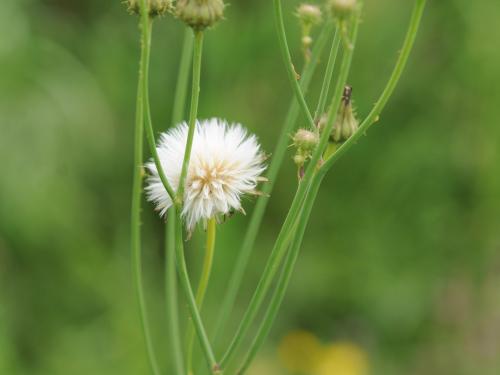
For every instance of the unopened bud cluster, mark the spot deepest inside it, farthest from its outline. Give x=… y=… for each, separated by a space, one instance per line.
x=200 y=14
x=309 y=16
x=346 y=124
x=305 y=141
x=155 y=7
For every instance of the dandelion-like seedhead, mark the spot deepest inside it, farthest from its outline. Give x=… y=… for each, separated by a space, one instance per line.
x=226 y=163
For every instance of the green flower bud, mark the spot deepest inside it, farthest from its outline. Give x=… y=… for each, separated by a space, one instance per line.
x=306 y=41
x=156 y=7
x=305 y=140
x=341 y=9
x=200 y=14
x=346 y=124
x=299 y=159
x=309 y=15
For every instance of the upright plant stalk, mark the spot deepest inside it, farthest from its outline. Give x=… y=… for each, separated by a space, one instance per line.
x=260 y=207
x=136 y=206
x=146 y=30
x=175 y=347
x=290 y=223
x=323 y=96
x=186 y=285
x=170 y=271
x=372 y=117
x=180 y=258
x=202 y=287
x=195 y=95
x=183 y=78
x=284 y=280
x=290 y=69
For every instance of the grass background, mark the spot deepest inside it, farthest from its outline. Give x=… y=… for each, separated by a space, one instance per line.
x=401 y=257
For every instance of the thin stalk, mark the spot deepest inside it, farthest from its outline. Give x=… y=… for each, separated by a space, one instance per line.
x=170 y=271
x=270 y=270
x=146 y=32
x=277 y=298
x=290 y=223
x=175 y=346
x=325 y=88
x=284 y=280
x=195 y=95
x=191 y=300
x=372 y=117
x=237 y=274
x=202 y=287
x=281 y=287
x=290 y=68
x=182 y=78
x=136 y=211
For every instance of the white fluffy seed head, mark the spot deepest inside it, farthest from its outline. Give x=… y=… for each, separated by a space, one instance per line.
x=226 y=163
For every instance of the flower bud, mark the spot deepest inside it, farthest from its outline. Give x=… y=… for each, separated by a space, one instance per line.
x=299 y=159
x=309 y=15
x=156 y=7
x=200 y=14
x=341 y=9
x=305 y=140
x=306 y=41
x=346 y=124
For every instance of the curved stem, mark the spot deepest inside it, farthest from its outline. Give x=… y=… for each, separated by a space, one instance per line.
x=136 y=208
x=202 y=287
x=290 y=69
x=323 y=96
x=146 y=31
x=372 y=117
x=182 y=78
x=195 y=95
x=284 y=280
x=191 y=301
x=283 y=239
x=258 y=213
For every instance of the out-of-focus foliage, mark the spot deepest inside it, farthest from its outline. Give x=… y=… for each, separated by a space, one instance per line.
x=400 y=261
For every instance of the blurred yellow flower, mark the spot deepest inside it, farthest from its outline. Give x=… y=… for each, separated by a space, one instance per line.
x=300 y=351
x=342 y=358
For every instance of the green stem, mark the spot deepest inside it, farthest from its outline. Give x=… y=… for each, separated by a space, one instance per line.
x=172 y=299
x=136 y=211
x=290 y=69
x=146 y=32
x=258 y=213
x=186 y=286
x=277 y=298
x=195 y=94
x=323 y=96
x=182 y=78
x=372 y=117
x=284 y=280
x=265 y=282
x=202 y=286
x=283 y=239
x=280 y=290
x=170 y=271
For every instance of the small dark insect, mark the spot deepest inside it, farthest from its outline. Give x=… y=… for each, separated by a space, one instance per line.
x=347 y=95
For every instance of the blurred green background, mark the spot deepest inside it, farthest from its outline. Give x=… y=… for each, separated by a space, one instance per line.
x=399 y=272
